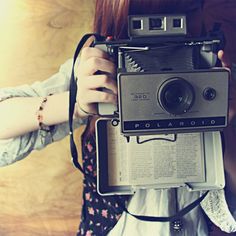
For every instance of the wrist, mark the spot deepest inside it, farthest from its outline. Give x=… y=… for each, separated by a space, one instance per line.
x=79 y=113
x=82 y=112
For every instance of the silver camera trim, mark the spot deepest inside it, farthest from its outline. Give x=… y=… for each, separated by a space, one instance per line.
x=141 y=114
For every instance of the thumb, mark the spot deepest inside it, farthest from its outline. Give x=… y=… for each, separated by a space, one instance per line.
x=224 y=59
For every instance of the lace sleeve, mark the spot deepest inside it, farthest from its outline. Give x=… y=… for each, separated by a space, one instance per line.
x=217 y=210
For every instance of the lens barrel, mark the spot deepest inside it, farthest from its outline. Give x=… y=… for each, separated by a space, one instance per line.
x=176 y=96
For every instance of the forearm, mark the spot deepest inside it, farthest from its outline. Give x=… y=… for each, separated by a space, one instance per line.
x=19 y=115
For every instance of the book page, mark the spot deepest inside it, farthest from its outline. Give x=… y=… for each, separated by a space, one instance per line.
x=154 y=162
x=162 y=161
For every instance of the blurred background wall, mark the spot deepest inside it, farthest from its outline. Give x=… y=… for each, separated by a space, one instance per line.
x=40 y=195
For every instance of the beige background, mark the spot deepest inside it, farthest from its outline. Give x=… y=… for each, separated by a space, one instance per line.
x=40 y=195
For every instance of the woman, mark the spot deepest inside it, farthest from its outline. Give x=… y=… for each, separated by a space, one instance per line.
x=104 y=215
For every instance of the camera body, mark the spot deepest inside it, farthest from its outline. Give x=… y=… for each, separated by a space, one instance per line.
x=167 y=81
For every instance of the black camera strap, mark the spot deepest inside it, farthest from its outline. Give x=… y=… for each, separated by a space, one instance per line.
x=72 y=102
x=173 y=218
x=74 y=153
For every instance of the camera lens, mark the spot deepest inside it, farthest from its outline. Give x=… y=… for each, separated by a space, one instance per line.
x=176 y=96
x=209 y=94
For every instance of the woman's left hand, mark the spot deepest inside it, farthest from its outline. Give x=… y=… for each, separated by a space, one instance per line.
x=230 y=131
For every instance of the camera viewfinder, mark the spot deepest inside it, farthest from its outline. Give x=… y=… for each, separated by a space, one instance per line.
x=137 y=24
x=177 y=23
x=156 y=24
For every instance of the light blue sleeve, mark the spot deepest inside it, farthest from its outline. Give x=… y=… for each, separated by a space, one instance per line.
x=57 y=83
x=14 y=149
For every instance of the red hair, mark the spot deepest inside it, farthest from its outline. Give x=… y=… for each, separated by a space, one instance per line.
x=111 y=15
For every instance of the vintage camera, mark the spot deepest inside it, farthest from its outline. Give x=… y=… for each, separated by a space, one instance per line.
x=167 y=81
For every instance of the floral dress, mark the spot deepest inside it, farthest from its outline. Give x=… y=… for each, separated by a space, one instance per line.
x=99 y=213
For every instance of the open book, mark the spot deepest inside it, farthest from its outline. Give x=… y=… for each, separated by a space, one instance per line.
x=155 y=161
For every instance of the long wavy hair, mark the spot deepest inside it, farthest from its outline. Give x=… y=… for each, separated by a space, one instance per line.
x=111 y=15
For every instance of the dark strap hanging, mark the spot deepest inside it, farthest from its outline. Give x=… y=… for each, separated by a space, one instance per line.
x=72 y=101
x=173 y=218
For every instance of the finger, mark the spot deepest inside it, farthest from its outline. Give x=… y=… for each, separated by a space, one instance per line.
x=94 y=64
x=88 y=52
x=224 y=59
x=100 y=81
x=94 y=96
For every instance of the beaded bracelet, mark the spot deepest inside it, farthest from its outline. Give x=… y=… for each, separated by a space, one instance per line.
x=86 y=112
x=39 y=114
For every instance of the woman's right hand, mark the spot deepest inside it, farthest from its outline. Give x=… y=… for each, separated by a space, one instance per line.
x=89 y=82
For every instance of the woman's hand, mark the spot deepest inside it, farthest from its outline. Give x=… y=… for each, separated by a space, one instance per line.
x=230 y=131
x=94 y=60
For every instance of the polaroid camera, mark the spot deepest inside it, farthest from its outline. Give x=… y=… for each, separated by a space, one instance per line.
x=167 y=81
